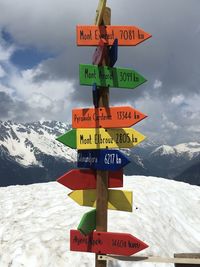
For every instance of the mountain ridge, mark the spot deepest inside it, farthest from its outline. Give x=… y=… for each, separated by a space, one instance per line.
x=28 y=149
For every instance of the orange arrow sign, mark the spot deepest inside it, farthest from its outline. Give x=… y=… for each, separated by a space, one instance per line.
x=112 y=117
x=90 y=35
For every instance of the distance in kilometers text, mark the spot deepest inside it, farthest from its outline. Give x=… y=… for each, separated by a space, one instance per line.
x=109 y=159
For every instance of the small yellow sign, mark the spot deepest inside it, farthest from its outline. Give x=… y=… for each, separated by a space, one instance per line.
x=117 y=199
x=100 y=138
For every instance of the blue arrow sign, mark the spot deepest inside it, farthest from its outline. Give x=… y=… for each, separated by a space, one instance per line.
x=113 y=53
x=101 y=159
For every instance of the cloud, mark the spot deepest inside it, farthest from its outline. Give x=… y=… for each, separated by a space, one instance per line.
x=169 y=61
x=157 y=84
x=2 y=72
x=10 y=109
x=45 y=25
x=46 y=99
x=178 y=99
x=24 y=98
x=5 y=50
x=167 y=124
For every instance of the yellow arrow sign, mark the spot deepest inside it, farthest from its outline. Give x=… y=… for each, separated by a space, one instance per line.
x=100 y=138
x=117 y=199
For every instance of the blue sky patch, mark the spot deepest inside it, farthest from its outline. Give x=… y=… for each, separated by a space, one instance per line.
x=7 y=36
x=26 y=58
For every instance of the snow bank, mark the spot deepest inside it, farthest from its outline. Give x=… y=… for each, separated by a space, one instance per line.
x=35 y=221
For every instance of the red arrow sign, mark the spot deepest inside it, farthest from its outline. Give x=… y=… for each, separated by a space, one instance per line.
x=112 y=117
x=106 y=243
x=86 y=179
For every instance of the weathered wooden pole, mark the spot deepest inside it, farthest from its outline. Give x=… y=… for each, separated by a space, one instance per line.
x=103 y=17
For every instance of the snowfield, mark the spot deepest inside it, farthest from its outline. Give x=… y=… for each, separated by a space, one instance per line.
x=35 y=221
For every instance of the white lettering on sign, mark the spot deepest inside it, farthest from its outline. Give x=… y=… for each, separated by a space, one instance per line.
x=89 y=159
x=112 y=159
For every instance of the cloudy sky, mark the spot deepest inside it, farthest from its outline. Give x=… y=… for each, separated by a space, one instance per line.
x=39 y=62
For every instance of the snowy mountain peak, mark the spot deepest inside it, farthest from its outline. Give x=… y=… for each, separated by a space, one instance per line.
x=27 y=142
x=164 y=150
x=191 y=147
x=188 y=150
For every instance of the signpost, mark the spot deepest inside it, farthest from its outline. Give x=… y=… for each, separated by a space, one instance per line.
x=89 y=35
x=101 y=138
x=117 y=199
x=102 y=159
x=106 y=243
x=86 y=179
x=102 y=176
x=97 y=129
x=100 y=12
x=110 y=77
x=110 y=117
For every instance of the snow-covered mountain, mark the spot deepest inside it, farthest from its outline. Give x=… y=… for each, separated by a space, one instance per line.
x=187 y=150
x=35 y=221
x=172 y=161
x=25 y=141
x=29 y=153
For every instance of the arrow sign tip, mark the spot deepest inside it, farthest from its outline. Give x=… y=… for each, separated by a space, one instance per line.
x=88 y=222
x=68 y=139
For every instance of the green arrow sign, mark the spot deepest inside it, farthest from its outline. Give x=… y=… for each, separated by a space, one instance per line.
x=109 y=77
x=88 y=222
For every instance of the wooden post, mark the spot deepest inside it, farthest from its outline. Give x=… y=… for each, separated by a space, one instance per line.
x=187 y=255
x=103 y=18
x=100 y=12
